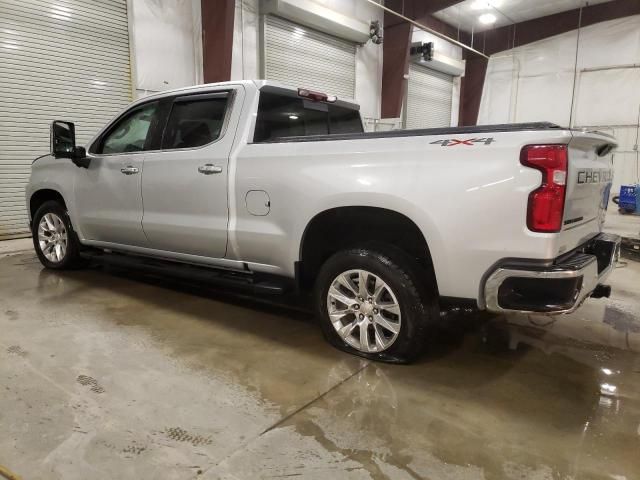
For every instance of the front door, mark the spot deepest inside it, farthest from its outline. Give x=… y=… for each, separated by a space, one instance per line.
x=184 y=186
x=108 y=193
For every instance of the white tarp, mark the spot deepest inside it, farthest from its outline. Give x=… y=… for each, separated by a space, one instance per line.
x=608 y=97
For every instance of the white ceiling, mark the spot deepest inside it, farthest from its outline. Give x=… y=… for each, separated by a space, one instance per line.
x=465 y=16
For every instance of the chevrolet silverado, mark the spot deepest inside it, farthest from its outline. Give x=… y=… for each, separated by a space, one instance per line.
x=260 y=186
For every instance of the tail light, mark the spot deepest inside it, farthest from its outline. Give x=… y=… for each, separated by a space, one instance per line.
x=546 y=203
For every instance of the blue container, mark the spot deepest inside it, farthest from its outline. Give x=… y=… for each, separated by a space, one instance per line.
x=628 y=197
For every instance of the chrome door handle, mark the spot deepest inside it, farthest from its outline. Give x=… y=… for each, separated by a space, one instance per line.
x=209 y=169
x=130 y=170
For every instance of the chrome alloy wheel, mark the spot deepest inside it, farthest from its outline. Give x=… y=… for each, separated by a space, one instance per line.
x=52 y=237
x=364 y=311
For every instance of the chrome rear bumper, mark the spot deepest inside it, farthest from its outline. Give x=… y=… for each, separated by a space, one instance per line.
x=559 y=287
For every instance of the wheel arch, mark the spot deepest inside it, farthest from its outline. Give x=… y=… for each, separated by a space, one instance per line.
x=41 y=196
x=347 y=226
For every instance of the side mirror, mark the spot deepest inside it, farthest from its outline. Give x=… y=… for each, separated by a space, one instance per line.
x=63 y=143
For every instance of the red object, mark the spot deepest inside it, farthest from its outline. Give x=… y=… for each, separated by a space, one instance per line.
x=217 y=39
x=546 y=203
x=315 y=96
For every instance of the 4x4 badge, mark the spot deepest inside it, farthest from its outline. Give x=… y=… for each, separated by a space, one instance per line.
x=452 y=142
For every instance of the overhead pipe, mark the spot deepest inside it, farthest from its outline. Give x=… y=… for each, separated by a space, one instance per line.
x=427 y=29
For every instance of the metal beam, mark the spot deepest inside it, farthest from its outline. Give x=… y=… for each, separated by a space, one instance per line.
x=503 y=38
x=395 y=64
x=217 y=39
x=523 y=33
x=427 y=29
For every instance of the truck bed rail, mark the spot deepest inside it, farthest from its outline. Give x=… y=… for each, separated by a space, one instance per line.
x=506 y=127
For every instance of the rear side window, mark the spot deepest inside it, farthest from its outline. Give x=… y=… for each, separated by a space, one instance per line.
x=195 y=121
x=283 y=116
x=130 y=134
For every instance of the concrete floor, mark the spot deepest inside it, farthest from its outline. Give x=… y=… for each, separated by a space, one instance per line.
x=116 y=376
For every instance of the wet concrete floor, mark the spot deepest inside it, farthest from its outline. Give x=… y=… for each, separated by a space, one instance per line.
x=105 y=375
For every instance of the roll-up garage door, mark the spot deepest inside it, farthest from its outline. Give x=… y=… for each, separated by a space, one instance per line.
x=301 y=57
x=429 y=98
x=62 y=59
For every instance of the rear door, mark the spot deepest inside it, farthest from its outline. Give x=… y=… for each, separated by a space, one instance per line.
x=589 y=181
x=185 y=184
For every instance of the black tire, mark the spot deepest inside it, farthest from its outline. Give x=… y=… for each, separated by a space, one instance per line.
x=415 y=290
x=71 y=259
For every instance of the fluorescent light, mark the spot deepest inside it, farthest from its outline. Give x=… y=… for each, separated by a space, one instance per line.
x=293 y=117
x=487 y=18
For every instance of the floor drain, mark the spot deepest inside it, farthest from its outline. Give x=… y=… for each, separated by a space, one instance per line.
x=90 y=382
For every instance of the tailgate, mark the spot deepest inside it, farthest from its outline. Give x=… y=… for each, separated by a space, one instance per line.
x=589 y=181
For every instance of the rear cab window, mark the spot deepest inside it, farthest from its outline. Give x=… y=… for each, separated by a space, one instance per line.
x=281 y=116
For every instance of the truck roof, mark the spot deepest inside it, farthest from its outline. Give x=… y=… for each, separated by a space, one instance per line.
x=259 y=84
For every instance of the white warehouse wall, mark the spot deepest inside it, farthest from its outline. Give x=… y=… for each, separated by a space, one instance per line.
x=245 y=62
x=542 y=82
x=166 y=44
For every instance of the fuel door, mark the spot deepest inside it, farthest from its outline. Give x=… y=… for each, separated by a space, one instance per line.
x=258 y=203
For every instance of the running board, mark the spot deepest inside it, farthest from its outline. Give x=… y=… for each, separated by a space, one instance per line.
x=248 y=281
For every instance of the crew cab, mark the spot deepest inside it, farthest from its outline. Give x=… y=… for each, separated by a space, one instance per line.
x=270 y=188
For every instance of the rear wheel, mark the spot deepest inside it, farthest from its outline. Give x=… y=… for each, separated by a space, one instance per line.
x=374 y=303
x=54 y=239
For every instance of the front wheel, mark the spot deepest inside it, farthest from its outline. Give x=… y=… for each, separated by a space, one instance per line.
x=54 y=239
x=374 y=303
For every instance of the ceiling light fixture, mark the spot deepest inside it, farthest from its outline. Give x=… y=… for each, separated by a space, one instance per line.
x=293 y=117
x=487 y=18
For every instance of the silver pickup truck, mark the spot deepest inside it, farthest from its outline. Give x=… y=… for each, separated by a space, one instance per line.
x=269 y=188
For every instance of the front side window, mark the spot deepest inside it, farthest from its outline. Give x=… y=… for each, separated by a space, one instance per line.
x=195 y=122
x=285 y=116
x=130 y=133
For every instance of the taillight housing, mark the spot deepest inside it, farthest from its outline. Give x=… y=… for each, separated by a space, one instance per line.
x=546 y=203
